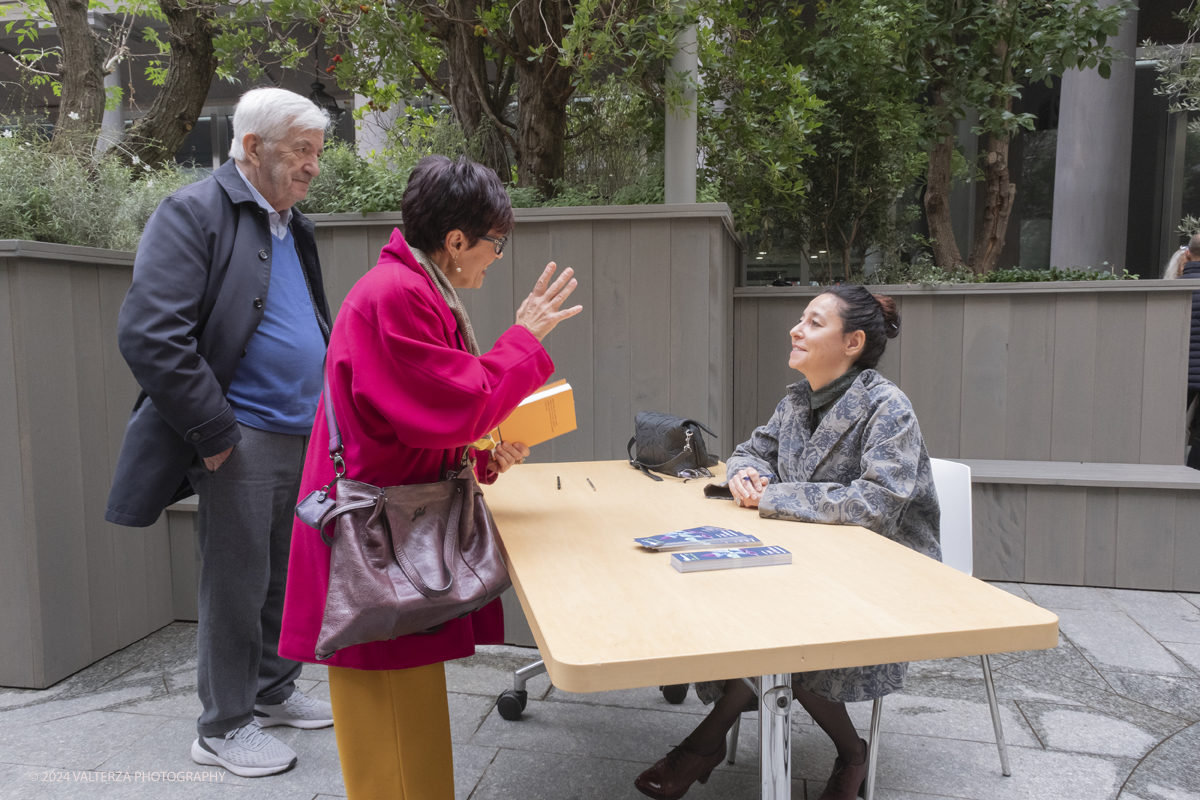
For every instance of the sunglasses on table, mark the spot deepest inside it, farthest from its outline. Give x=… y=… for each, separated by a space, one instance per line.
x=498 y=244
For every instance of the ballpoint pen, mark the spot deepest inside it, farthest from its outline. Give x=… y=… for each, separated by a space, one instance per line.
x=589 y=480
x=559 y=479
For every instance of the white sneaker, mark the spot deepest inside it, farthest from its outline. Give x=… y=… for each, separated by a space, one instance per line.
x=298 y=711
x=247 y=751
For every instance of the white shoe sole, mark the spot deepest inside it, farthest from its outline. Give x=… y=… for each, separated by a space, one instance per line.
x=303 y=724
x=202 y=756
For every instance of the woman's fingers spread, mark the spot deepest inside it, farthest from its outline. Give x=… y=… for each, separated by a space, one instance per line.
x=561 y=281
x=544 y=280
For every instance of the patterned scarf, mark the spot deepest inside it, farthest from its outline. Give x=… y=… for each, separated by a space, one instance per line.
x=450 y=296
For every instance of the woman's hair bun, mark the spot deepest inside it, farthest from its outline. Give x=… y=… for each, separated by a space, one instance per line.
x=891 y=317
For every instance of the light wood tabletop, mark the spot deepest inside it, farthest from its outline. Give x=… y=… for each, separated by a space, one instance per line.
x=608 y=614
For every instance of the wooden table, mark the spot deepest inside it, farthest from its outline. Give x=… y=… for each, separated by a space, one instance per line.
x=608 y=614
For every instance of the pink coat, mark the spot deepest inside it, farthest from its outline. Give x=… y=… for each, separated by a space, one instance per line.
x=408 y=397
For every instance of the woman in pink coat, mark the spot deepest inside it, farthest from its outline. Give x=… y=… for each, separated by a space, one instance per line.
x=411 y=390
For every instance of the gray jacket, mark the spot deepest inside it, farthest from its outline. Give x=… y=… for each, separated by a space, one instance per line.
x=200 y=282
x=865 y=464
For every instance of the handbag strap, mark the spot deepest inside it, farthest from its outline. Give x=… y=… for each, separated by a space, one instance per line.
x=688 y=449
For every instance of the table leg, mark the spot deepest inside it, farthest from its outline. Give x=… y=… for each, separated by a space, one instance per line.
x=775 y=737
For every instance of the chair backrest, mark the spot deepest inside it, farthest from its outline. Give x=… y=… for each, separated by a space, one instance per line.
x=953 y=483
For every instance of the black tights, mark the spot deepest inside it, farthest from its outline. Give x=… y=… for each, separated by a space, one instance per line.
x=830 y=716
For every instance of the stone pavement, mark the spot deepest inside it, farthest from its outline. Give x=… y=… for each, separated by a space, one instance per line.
x=1113 y=712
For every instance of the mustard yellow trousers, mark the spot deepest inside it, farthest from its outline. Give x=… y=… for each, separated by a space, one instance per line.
x=393 y=732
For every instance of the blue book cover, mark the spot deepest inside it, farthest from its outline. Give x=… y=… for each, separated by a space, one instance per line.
x=730 y=558
x=704 y=535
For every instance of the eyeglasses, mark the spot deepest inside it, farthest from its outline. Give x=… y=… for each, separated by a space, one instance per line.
x=497 y=243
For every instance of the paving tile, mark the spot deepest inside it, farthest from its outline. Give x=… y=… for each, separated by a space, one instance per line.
x=1113 y=640
x=469 y=765
x=467 y=712
x=168 y=749
x=1028 y=685
x=314 y=672
x=1187 y=653
x=1066 y=660
x=58 y=707
x=81 y=741
x=1018 y=589
x=555 y=776
x=648 y=697
x=946 y=718
x=925 y=765
x=596 y=732
x=1080 y=598
x=490 y=671
x=1084 y=730
x=31 y=783
x=1173 y=695
x=1171 y=771
x=1165 y=615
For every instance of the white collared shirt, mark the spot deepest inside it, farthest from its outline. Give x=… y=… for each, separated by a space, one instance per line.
x=279 y=219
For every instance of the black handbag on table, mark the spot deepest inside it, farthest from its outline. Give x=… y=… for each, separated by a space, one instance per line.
x=671 y=445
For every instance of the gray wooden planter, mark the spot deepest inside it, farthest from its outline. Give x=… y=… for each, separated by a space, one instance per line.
x=1043 y=387
x=73 y=588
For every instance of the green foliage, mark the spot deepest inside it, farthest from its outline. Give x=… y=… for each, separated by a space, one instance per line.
x=350 y=183
x=47 y=197
x=1178 y=66
x=757 y=111
x=980 y=53
x=921 y=271
x=1018 y=275
x=870 y=131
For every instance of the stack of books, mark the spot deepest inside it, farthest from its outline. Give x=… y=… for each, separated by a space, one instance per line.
x=724 y=558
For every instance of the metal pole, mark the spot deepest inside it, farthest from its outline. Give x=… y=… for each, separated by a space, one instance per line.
x=775 y=737
x=679 y=159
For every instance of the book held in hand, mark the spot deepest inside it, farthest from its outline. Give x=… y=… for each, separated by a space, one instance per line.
x=731 y=558
x=705 y=535
x=548 y=412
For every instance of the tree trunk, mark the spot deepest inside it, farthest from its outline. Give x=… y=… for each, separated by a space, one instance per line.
x=468 y=82
x=81 y=75
x=156 y=137
x=543 y=90
x=937 y=204
x=1001 y=194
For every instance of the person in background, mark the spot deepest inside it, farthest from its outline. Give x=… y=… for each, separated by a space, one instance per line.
x=842 y=448
x=412 y=392
x=225 y=328
x=1186 y=264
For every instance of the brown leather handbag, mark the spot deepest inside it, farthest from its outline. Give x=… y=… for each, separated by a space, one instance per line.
x=406 y=559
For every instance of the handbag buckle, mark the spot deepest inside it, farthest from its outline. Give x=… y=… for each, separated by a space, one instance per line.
x=339 y=466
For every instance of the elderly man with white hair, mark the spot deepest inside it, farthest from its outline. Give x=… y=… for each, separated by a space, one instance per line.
x=225 y=329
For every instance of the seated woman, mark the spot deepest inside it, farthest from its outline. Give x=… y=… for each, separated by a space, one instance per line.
x=843 y=447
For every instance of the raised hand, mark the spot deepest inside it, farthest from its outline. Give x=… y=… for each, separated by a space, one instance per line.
x=542 y=309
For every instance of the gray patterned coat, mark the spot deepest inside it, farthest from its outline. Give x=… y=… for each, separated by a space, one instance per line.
x=865 y=464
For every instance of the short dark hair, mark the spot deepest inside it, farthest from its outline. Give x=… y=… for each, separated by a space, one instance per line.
x=444 y=195
x=873 y=314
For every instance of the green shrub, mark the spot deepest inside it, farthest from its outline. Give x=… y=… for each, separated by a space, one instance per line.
x=48 y=197
x=1018 y=275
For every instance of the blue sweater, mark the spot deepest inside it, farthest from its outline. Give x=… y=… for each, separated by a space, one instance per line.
x=277 y=385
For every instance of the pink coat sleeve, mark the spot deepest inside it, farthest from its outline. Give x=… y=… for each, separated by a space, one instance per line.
x=434 y=395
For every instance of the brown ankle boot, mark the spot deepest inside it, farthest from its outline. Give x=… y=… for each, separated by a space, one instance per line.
x=848 y=780
x=672 y=776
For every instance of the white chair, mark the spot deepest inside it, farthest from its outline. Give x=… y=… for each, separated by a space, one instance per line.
x=953 y=483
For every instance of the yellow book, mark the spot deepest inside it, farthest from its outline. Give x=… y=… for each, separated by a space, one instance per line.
x=548 y=412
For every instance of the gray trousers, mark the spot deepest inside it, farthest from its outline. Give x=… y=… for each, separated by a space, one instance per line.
x=244 y=528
